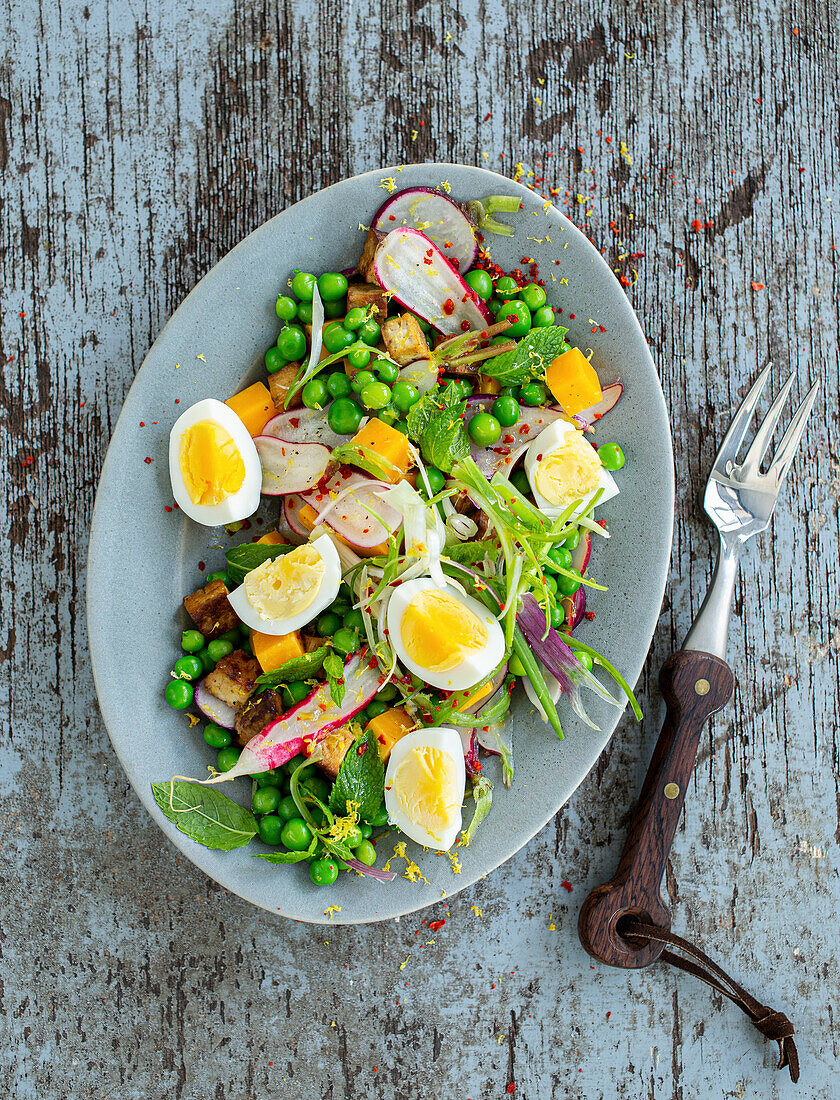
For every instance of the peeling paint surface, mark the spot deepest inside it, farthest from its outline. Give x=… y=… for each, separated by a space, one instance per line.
x=698 y=146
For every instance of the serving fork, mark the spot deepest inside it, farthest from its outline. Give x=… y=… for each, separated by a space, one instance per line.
x=696 y=683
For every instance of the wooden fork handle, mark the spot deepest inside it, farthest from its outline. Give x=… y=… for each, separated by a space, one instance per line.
x=695 y=686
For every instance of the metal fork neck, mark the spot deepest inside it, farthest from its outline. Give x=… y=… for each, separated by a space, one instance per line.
x=710 y=629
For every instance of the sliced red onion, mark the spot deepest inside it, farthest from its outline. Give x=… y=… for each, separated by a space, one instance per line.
x=304 y=426
x=582 y=552
x=212 y=708
x=291 y=508
x=470 y=746
x=441 y=219
x=609 y=399
x=421 y=278
x=359 y=515
x=290 y=467
x=371 y=872
x=575 y=607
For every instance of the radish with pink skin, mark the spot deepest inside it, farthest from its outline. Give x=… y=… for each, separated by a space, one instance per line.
x=212 y=708
x=420 y=277
x=291 y=516
x=441 y=219
x=303 y=426
x=351 y=506
x=609 y=399
x=290 y=467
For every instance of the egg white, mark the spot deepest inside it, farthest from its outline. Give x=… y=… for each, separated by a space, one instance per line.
x=476 y=667
x=447 y=741
x=552 y=439
x=239 y=505
x=327 y=592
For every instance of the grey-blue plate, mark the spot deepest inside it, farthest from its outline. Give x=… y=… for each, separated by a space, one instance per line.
x=143 y=560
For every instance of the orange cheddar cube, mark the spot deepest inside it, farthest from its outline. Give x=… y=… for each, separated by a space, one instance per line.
x=573 y=381
x=389 y=727
x=307 y=516
x=271 y=538
x=477 y=695
x=254 y=407
x=386 y=443
x=486 y=384
x=273 y=650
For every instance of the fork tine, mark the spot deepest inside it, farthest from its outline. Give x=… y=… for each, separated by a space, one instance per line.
x=741 y=422
x=789 y=444
x=763 y=436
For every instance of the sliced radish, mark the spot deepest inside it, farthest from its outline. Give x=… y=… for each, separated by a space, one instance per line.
x=422 y=374
x=514 y=440
x=580 y=554
x=469 y=743
x=303 y=426
x=609 y=399
x=441 y=219
x=213 y=708
x=311 y=720
x=291 y=509
x=290 y=467
x=421 y=278
x=350 y=504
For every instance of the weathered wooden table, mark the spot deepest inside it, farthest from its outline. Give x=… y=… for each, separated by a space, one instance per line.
x=139 y=142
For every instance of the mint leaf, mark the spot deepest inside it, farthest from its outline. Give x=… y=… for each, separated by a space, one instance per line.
x=529 y=358
x=288 y=857
x=334 y=669
x=360 y=779
x=205 y=815
x=248 y=555
x=298 y=668
x=425 y=410
x=468 y=553
x=445 y=440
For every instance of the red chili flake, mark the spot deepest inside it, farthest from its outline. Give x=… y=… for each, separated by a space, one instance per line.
x=295 y=421
x=624 y=280
x=609 y=1014
x=22 y=314
x=601 y=327
x=511 y=1088
x=426 y=260
x=590 y=615
x=29 y=460
x=696 y=225
x=81 y=404
x=436 y=925
x=142 y=424
x=448 y=244
x=566 y=885
x=167 y=507
x=465 y=326
x=571 y=316
x=177 y=400
x=202 y=566
x=488 y=116
x=392 y=217
x=448 y=307
x=757 y=286
x=147 y=460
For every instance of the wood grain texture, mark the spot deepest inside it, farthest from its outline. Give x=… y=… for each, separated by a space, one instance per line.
x=139 y=142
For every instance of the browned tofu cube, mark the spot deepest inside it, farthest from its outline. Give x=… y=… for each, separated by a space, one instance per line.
x=311 y=642
x=279 y=385
x=366 y=266
x=210 y=610
x=333 y=750
x=234 y=678
x=256 y=714
x=362 y=295
x=404 y=339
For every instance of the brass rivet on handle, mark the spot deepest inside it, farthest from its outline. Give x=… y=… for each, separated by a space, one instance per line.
x=702 y=687
x=671 y=790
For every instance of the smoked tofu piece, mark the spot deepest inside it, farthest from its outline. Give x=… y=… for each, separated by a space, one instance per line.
x=404 y=339
x=256 y=714
x=234 y=678
x=209 y=609
x=333 y=750
x=362 y=295
x=279 y=385
x=365 y=268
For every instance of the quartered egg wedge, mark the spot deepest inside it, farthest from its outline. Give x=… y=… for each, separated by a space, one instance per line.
x=562 y=467
x=449 y=640
x=424 y=786
x=213 y=465
x=285 y=593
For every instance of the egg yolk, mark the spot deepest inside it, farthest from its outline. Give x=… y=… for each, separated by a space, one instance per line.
x=284 y=587
x=438 y=631
x=425 y=784
x=570 y=473
x=211 y=465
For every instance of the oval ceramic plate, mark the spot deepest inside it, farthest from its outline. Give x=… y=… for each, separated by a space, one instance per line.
x=143 y=559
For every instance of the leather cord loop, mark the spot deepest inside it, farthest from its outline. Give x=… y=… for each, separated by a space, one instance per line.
x=772 y=1025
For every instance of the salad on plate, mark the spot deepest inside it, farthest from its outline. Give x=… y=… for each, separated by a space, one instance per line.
x=423 y=448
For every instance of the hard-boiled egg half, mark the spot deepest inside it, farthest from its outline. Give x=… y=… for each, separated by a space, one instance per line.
x=424 y=786
x=214 y=465
x=449 y=640
x=285 y=593
x=562 y=467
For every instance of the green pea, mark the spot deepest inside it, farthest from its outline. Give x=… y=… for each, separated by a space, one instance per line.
x=272 y=778
x=404 y=395
x=296 y=835
x=192 y=641
x=271 y=830
x=515 y=666
x=336 y=337
x=286 y=808
x=572 y=540
x=388 y=693
x=216 y=737
x=232 y=636
x=376 y=395
x=303 y=284
x=290 y=766
x=365 y=853
x=506 y=411
x=318 y=786
x=505 y=391
x=286 y=308
x=551 y=584
x=354 y=318
x=338 y=384
x=421 y=321
x=207 y=662
x=219 y=648
x=560 y=558
x=366 y=830
x=344 y=416
x=522 y=318
x=436 y=479
x=354 y=620
x=327 y=624
x=558 y=617
x=220 y=575
x=519 y=480
x=265 y=800
x=334 y=310
x=332 y=286
x=323 y=872
x=484 y=429
x=358 y=358
x=189 y=668
x=380 y=818
x=315 y=394
x=304 y=313
x=227 y=757
x=584 y=659
x=533 y=296
x=506 y=286
x=370 y=332
x=179 y=694
x=465 y=387
x=361 y=379
x=296 y=691
x=275 y=360
x=373 y=710
x=340 y=606
x=534 y=393
x=611 y=456
x=566 y=585
x=354 y=837
x=480 y=282
x=345 y=642
x=388 y=415
x=292 y=342
x=494 y=305
x=542 y=317
x=387 y=371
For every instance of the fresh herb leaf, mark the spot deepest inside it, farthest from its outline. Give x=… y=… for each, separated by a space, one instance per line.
x=444 y=440
x=334 y=669
x=205 y=815
x=482 y=792
x=288 y=857
x=248 y=555
x=355 y=454
x=298 y=668
x=360 y=779
x=468 y=553
x=422 y=412
x=530 y=358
